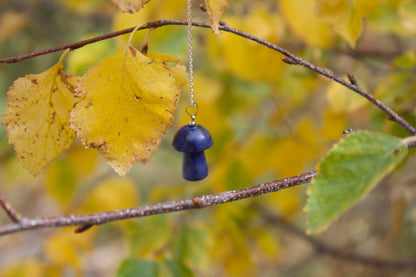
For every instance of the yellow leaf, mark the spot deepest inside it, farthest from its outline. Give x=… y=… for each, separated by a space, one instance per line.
x=268 y=244
x=287 y=202
x=61 y=180
x=293 y=153
x=179 y=71
x=112 y=194
x=230 y=248
x=85 y=8
x=130 y=6
x=264 y=23
x=346 y=16
x=342 y=99
x=215 y=9
x=343 y=17
x=300 y=14
x=249 y=60
x=256 y=155
x=37 y=116
x=366 y=7
x=299 y=150
x=83 y=160
x=128 y=104
x=333 y=124
x=65 y=249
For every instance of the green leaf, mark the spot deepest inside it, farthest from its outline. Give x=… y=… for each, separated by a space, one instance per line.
x=190 y=245
x=178 y=269
x=132 y=267
x=147 y=234
x=348 y=173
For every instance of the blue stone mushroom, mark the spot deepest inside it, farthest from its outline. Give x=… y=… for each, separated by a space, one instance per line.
x=192 y=140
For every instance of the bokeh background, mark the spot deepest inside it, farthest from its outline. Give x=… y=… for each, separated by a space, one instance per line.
x=269 y=120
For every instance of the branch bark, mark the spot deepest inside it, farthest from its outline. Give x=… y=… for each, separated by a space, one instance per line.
x=88 y=220
x=10 y=211
x=291 y=59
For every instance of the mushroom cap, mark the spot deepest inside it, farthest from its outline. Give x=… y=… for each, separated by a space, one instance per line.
x=192 y=138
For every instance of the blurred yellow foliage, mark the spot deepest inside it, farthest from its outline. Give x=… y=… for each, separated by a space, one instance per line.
x=269 y=120
x=302 y=18
x=346 y=16
x=65 y=173
x=290 y=155
x=127 y=20
x=343 y=100
x=230 y=249
x=286 y=203
x=112 y=194
x=268 y=243
x=28 y=268
x=83 y=160
x=10 y=24
x=407 y=14
x=246 y=59
x=154 y=10
x=257 y=155
x=61 y=181
x=86 y=7
x=65 y=248
x=333 y=124
x=209 y=91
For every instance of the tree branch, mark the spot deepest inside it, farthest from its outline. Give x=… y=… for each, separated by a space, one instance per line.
x=291 y=59
x=10 y=211
x=88 y=220
x=337 y=253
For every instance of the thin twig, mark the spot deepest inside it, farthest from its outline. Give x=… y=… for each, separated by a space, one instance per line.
x=352 y=79
x=79 y=44
x=83 y=228
x=10 y=211
x=394 y=116
x=288 y=60
x=87 y=220
x=410 y=142
x=293 y=59
x=337 y=253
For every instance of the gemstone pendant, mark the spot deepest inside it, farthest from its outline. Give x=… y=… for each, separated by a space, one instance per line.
x=193 y=140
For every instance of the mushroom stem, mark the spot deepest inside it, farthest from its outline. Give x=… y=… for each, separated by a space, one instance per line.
x=194 y=166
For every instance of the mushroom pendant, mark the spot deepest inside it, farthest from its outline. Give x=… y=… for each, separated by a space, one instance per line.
x=192 y=140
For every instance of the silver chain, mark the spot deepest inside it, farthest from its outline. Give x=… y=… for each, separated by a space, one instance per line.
x=192 y=104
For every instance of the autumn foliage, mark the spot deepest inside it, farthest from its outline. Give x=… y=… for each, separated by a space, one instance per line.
x=77 y=123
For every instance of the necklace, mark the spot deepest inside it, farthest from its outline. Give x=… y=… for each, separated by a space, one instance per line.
x=192 y=139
